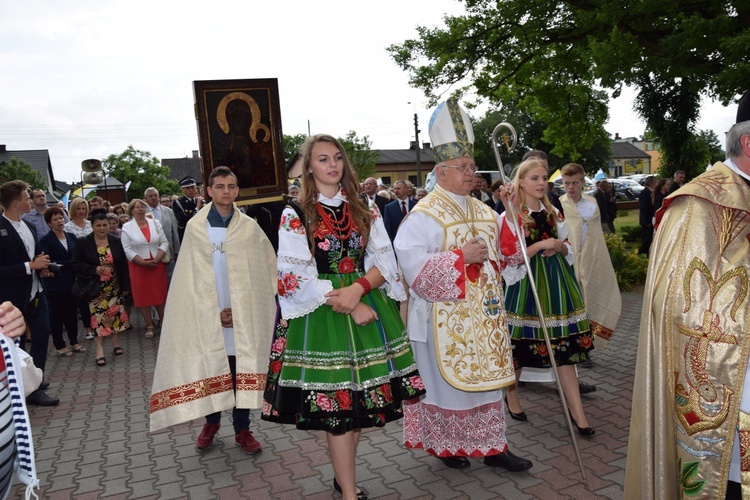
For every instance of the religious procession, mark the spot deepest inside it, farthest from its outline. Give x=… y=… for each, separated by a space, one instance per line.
x=284 y=317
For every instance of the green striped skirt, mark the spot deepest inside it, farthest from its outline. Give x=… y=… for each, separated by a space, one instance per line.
x=328 y=373
x=564 y=313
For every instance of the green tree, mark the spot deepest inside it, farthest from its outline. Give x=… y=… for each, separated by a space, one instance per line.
x=142 y=170
x=360 y=154
x=292 y=146
x=531 y=136
x=18 y=169
x=554 y=57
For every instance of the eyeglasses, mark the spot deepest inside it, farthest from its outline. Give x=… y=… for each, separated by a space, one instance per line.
x=465 y=169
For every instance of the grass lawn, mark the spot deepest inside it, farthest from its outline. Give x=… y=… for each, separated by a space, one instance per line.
x=626 y=218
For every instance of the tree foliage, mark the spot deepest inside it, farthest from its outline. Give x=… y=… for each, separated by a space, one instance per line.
x=292 y=146
x=553 y=57
x=360 y=154
x=530 y=136
x=18 y=169
x=142 y=170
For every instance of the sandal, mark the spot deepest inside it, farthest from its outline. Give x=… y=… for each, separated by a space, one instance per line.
x=78 y=348
x=64 y=353
x=101 y=361
x=118 y=350
x=149 y=332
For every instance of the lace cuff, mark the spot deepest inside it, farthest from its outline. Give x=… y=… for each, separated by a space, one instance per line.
x=512 y=274
x=294 y=309
x=442 y=277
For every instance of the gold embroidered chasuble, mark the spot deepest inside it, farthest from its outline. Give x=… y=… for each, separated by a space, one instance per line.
x=594 y=271
x=694 y=344
x=192 y=377
x=472 y=345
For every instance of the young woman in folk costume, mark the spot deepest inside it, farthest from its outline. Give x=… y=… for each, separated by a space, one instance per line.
x=560 y=296
x=341 y=359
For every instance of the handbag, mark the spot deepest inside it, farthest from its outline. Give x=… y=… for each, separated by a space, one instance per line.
x=168 y=255
x=31 y=376
x=86 y=287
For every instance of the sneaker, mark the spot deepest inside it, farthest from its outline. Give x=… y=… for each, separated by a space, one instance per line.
x=206 y=438
x=247 y=442
x=89 y=335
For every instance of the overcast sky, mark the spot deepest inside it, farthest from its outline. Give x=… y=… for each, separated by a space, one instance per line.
x=85 y=79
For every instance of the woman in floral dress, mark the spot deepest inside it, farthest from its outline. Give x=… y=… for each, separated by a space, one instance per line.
x=101 y=254
x=551 y=258
x=344 y=362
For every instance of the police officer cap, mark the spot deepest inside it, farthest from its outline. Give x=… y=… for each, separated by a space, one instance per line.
x=187 y=181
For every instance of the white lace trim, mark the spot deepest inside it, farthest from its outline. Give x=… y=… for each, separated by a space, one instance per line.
x=289 y=310
x=513 y=274
x=514 y=320
x=294 y=260
x=455 y=432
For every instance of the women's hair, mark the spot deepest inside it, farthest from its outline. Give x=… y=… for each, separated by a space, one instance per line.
x=98 y=214
x=74 y=207
x=521 y=172
x=132 y=205
x=117 y=209
x=51 y=212
x=308 y=196
x=657 y=189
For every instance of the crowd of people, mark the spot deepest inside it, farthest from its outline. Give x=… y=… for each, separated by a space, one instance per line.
x=363 y=306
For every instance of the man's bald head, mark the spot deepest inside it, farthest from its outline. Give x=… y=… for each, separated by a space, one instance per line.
x=371 y=186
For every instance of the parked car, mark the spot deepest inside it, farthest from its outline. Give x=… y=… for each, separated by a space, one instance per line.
x=639 y=178
x=622 y=190
x=633 y=185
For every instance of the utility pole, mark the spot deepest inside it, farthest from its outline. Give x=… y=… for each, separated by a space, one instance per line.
x=418 y=146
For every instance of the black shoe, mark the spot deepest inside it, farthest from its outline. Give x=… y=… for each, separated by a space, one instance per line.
x=40 y=398
x=456 y=462
x=508 y=461
x=583 y=431
x=361 y=494
x=586 y=388
x=516 y=416
x=43 y=385
x=588 y=363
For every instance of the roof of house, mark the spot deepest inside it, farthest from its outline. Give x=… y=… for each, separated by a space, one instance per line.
x=38 y=159
x=392 y=156
x=181 y=167
x=627 y=150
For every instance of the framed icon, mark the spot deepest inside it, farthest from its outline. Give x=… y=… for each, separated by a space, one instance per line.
x=239 y=127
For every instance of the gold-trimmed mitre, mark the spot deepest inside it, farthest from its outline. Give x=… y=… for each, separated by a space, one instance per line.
x=450 y=131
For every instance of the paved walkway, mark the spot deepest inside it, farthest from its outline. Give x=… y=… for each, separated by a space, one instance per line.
x=96 y=444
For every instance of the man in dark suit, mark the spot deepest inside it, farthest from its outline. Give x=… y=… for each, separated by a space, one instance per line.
x=186 y=205
x=646 y=214
x=371 y=191
x=22 y=265
x=396 y=210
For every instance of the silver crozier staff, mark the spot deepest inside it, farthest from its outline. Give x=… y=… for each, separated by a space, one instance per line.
x=511 y=209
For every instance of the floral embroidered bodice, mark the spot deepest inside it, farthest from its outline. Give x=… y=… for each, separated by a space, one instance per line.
x=337 y=253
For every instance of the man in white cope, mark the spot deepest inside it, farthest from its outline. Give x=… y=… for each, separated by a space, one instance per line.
x=217 y=331
x=448 y=250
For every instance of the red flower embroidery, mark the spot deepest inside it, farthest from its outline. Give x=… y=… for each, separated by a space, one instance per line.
x=542 y=350
x=290 y=282
x=344 y=400
x=281 y=289
x=295 y=223
x=585 y=342
x=324 y=403
x=417 y=382
x=346 y=265
x=386 y=392
x=275 y=366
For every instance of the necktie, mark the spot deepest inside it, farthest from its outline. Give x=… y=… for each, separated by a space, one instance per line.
x=403 y=207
